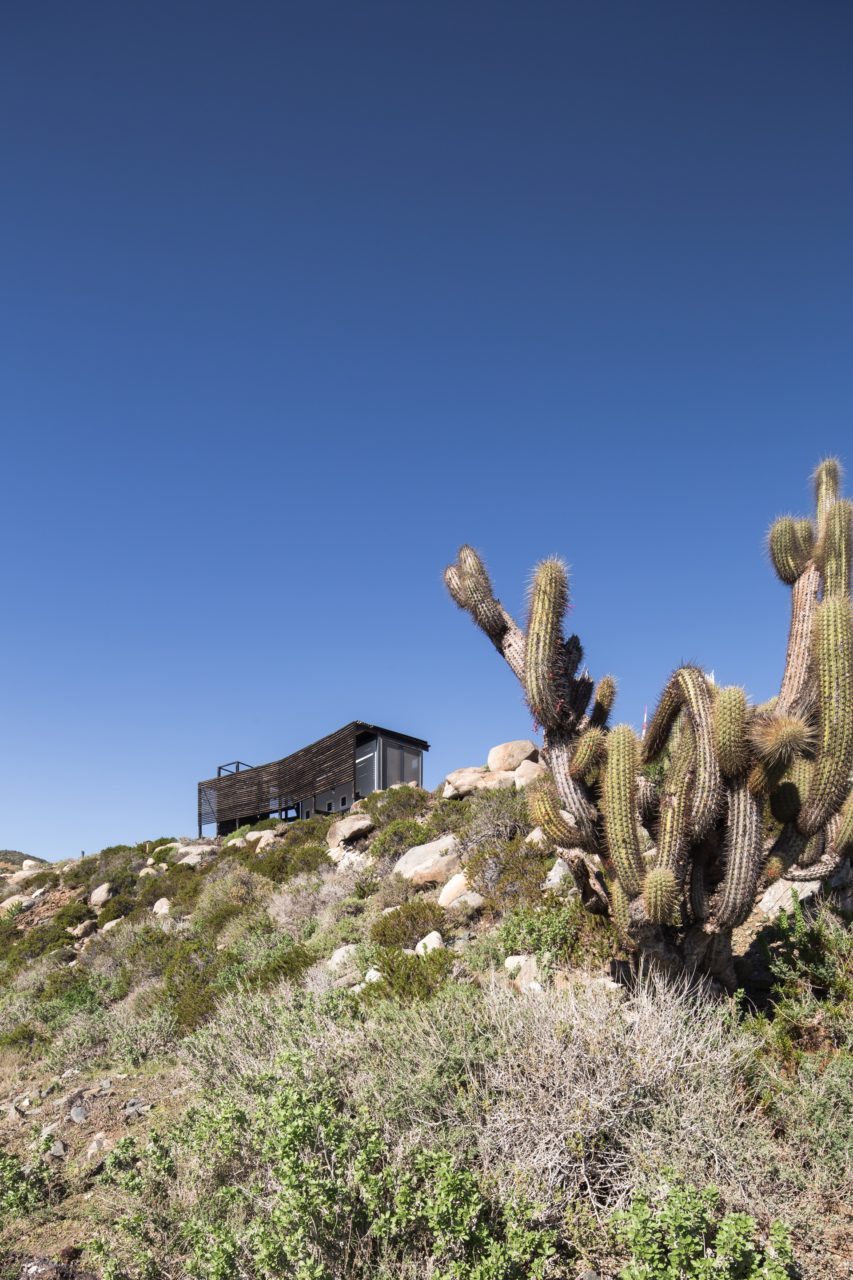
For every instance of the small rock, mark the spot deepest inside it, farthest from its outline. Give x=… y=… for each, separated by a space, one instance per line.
x=79 y=1113
x=192 y=859
x=514 y=962
x=455 y=887
x=780 y=895
x=432 y=942
x=557 y=874
x=111 y=924
x=507 y=756
x=352 y=827
x=432 y=863
x=373 y=975
x=98 y=897
x=464 y=782
x=83 y=930
x=58 y=1149
x=342 y=958
x=162 y=907
x=528 y=975
x=239 y=843
x=267 y=838
x=528 y=771
x=468 y=904
x=99 y=1145
x=148 y=871
x=16 y=900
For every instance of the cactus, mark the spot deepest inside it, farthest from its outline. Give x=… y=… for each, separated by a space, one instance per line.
x=602 y=703
x=620 y=807
x=778 y=739
x=589 y=751
x=730 y=731
x=743 y=855
x=544 y=807
x=679 y=819
x=833 y=658
x=660 y=895
x=547 y=691
x=833 y=551
x=790 y=544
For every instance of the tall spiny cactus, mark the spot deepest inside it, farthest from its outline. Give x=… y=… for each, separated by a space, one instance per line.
x=686 y=853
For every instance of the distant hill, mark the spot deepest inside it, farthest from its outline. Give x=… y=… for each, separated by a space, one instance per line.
x=12 y=859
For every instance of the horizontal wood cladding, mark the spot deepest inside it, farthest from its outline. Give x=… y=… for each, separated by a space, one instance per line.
x=324 y=765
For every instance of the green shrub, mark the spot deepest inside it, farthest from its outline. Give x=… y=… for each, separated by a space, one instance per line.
x=407 y=924
x=565 y=931
x=406 y=977
x=282 y=862
x=42 y=880
x=118 y=906
x=508 y=874
x=389 y=806
x=399 y=836
x=337 y=1202
x=23 y=1187
x=28 y=946
x=811 y=954
x=683 y=1235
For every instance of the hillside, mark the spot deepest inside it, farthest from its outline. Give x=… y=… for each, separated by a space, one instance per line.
x=396 y=1045
x=12 y=860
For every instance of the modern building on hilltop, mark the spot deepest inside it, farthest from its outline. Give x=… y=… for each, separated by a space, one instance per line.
x=325 y=777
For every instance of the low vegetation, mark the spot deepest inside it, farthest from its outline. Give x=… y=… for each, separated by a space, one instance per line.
x=268 y=1081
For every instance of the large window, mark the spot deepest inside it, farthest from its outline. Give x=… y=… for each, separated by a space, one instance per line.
x=402 y=764
x=365 y=767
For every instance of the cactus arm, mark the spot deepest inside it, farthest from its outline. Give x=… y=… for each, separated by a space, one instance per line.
x=707 y=784
x=675 y=806
x=827 y=483
x=790 y=543
x=834 y=549
x=470 y=587
x=545 y=657
x=833 y=653
x=589 y=751
x=546 y=812
x=603 y=699
x=795 y=693
x=730 y=730
x=743 y=853
x=662 y=722
x=660 y=895
x=620 y=808
x=558 y=751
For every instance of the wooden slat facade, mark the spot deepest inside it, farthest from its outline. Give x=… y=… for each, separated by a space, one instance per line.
x=292 y=782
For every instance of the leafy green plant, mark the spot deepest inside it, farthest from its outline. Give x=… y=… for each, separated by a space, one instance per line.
x=562 y=930
x=683 y=1235
x=405 y=925
x=397 y=837
x=336 y=1201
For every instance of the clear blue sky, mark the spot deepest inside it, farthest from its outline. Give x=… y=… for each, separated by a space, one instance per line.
x=296 y=297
